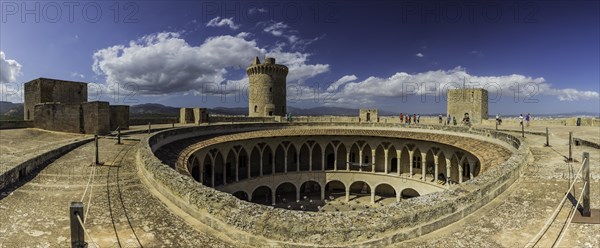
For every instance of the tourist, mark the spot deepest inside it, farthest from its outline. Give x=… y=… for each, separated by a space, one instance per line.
x=448 y=120
x=415 y=118
x=498 y=120
x=521 y=119
x=418 y=118
x=401 y=118
x=527 y=118
x=440 y=119
x=408 y=119
x=454 y=120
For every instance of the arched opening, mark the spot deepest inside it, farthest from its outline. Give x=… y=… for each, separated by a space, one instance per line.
x=196 y=172
x=416 y=162
x=243 y=164
x=207 y=173
x=304 y=156
x=341 y=157
x=219 y=169
x=267 y=161
x=310 y=190
x=335 y=189
x=466 y=170
x=230 y=167
x=385 y=191
x=392 y=156
x=404 y=160
x=409 y=193
x=359 y=189
x=280 y=159
x=329 y=157
x=292 y=160
x=255 y=162
x=442 y=169
x=317 y=158
x=454 y=169
x=367 y=159
x=380 y=159
x=354 y=159
x=255 y=109
x=241 y=195
x=430 y=166
x=285 y=192
x=476 y=168
x=262 y=195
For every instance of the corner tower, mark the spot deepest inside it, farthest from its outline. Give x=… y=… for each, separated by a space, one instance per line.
x=267 y=90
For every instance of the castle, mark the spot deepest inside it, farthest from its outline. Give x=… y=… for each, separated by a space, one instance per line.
x=468 y=101
x=267 y=90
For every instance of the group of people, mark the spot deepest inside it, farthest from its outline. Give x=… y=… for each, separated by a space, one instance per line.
x=415 y=119
x=527 y=119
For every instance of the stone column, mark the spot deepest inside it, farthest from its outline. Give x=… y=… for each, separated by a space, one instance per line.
x=273 y=197
x=373 y=151
x=310 y=160
x=460 y=171
x=322 y=193
x=348 y=160
x=322 y=159
x=436 y=161
x=472 y=162
x=212 y=172
x=385 y=164
x=347 y=194
x=225 y=172
x=448 y=165
x=261 y=164
x=273 y=164
x=298 y=194
x=335 y=159
x=372 y=196
x=423 y=166
x=360 y=159
x=249 y=163
x=410 y=163
x=297 y=161
x=285 y=161
x=201 y=172
x=397 y=196
x=237 y=167
x=398 y=164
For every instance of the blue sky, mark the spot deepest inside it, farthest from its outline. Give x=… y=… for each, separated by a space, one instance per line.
x=392 y=55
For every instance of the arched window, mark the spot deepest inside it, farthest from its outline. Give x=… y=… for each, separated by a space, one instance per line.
x=255 y=108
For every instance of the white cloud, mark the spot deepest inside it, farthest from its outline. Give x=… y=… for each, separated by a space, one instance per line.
x=77 y=75
x=437 y=82
x=343 y=80
x=276 y=28
x=9 y=69
x=420 y=55
x=165 y=63
x=218 y=22
x=280 y=29
x=257 y=10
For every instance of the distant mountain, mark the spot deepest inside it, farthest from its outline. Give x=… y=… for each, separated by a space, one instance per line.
x=153 y=109
x=11 y=109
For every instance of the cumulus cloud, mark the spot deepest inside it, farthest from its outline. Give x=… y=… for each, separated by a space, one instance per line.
x=439 y=81
x=281 y=29
x=9 y=69
x=420 y=55
x=165 y=63
x=257 y=10
x=343 y=80
x=220 y=22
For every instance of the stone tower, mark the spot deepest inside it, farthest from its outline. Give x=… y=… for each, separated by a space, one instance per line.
x=267 y=90
x=472 y=101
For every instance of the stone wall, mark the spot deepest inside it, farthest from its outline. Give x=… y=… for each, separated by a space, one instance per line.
x=63 y=117
x=96 y=117
x=15 y=124
x=368 y=115
x=135 y=121
x=250 y=223
x=119 y=117
x=471 y=101
x=186 y=115
x=43 y=90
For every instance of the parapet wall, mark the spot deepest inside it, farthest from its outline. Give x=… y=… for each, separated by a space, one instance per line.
x=62 y=117
x=250 y=223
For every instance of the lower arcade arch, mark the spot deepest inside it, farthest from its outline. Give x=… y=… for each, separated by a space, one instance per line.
x=262 y=195
x=409 y=193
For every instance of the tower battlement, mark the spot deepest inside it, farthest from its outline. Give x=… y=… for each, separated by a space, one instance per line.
x=269 y=67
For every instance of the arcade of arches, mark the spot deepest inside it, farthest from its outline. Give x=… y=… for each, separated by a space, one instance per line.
x=283 y=171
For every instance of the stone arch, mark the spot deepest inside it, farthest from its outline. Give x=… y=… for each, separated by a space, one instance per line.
x=393 y=160
x=304 y=157
x=207 y=170
x=243 y=161
x=380 y=159
x=317 y=153
x=219 y=169
x=476 y=168
x=354 y=157
x=262 y=194
x=367 y=158
x=384 y=190
x=416 y=161
x=267 y=160
x=285 y=192
x=230 y=171
x=409 y=193
x=255 y=162
x=292 y=160
x=341 y=157
x=310 y=190
x=404 y=160
x=359 y=188
x=430 y=163
x=330 y=157
x=442 y=169
x=242 y=195
x=280 y=159
x=454 y=168
x=335 y=189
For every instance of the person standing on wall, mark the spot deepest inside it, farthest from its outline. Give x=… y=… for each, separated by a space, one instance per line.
x=401 y=118
x=527 y=118
x=521 y=119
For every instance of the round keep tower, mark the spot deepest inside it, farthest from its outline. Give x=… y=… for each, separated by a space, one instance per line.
x=267 y=90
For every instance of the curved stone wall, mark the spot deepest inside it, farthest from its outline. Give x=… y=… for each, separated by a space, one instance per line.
x=254 y=224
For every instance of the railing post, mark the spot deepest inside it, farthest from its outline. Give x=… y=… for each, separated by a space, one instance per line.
x=149 y=127
x=570 y=146
x=97 y=156
x=119 y=135
x=522 y=130
x=586 y=189
x=547 y=137
x=77 y=233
